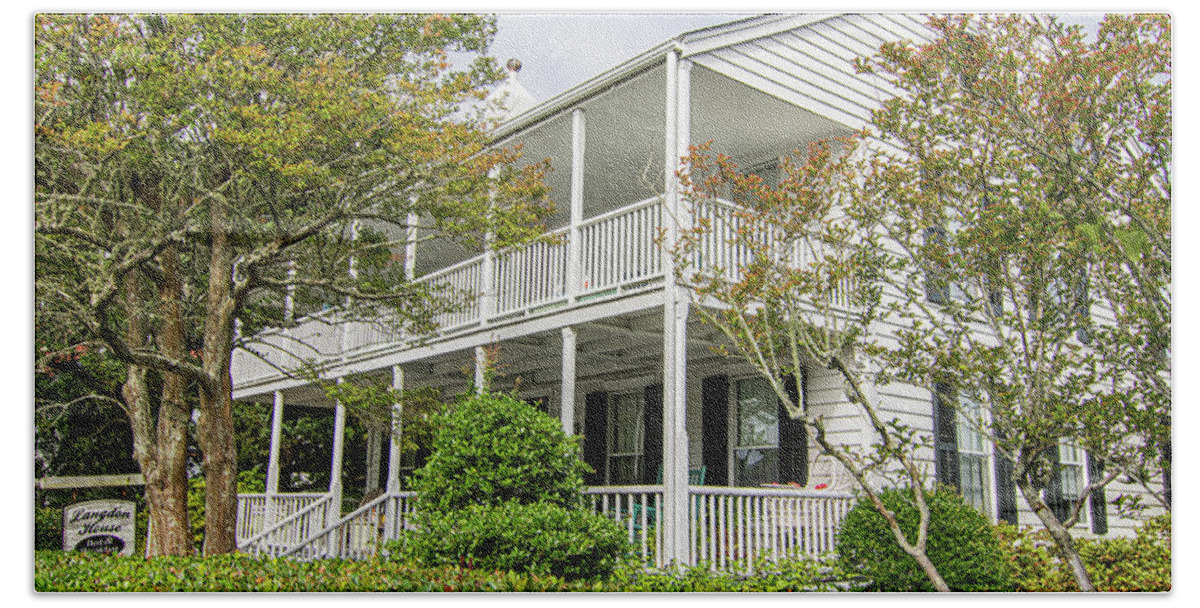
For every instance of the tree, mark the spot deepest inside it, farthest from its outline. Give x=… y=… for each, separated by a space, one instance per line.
x=1023 y=193
x=234 y=162
x=801 y=292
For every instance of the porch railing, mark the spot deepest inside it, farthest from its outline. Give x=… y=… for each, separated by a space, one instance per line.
x=291 y=531
x=730 y=528
x=256 y=512
x=638 y=511
x=619 y=247
x=733 y=527
x=359 y=535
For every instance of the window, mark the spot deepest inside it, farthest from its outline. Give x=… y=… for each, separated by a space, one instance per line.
x=756 y=451
x=626 y=439
x=961 y=447
x=1070 y=481
x=972 y=455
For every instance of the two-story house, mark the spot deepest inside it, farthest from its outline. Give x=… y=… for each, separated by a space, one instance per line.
x=690 y=449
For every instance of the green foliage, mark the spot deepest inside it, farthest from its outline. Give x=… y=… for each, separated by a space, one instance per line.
x=961 y=544
x=798 y=574
x=251 y=482
x=1114 y=564
x=492 y=449
x=538 y=538
x=86 y=572
x=58 y=571
x=502 y=490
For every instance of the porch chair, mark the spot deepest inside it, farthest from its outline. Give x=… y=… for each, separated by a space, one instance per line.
x=830 y=475
x=695 y=478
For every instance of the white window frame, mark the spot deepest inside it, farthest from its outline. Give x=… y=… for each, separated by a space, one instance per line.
x=639 y=454
x=734 y=426
x=1072 y=462
x=974 y=454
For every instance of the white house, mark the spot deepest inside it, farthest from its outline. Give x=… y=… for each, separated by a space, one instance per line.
x=601 y=335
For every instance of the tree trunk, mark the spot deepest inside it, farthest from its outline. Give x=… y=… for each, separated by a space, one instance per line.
x=1060 y=535
x=215 y=427
x=167 y=491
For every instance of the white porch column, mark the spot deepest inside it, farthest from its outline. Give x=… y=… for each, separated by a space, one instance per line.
x=480 y=369
x=335 y=465
x=273 y=457
x=487 y=274
x=676 y=520
x=574 y=276
x=391 y=523
x=374 y=451
x=567 y=394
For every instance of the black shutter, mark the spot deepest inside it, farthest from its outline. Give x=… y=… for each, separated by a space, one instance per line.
x=937 y=280
x=652 y=445
x=1006 y=491
x=595 y=436
x=793 y=440
x=714 y=396
x=945 y=437
x=1099 y=503
x=1166 y=467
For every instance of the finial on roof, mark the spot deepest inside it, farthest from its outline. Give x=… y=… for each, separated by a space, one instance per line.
x=513 y=65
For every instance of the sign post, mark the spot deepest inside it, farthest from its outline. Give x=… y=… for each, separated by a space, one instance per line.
x=100 y=526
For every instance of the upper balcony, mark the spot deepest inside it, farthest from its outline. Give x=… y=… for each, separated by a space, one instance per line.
x=613 y=140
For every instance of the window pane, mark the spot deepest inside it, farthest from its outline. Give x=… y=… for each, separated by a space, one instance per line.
x=627 y=424
x=973 y=476
x=758 y=414
x=756 y=466
x=625 y=470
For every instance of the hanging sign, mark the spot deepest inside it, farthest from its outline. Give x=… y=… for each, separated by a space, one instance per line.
x=100 y=526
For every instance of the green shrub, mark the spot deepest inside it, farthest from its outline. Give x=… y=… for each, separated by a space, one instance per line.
x=794 y=574
x=961 y=544
x=59 y=571
x=47 y=529
x=492 y=449
x=1142 y=563
x=538 y=538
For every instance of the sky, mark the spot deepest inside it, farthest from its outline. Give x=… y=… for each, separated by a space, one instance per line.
x=560 y=49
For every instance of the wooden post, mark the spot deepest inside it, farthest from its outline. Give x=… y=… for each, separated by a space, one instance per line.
x=273 y=457
x=574 y=276
x=567 y=394
x=480 y=369
x=676 y=521
x=391 y=523
x=335 y=466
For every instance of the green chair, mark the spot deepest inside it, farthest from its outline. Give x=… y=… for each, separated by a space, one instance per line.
x=695 y=478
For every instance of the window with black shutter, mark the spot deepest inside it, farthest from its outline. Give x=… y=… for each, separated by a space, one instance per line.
x=595 y=437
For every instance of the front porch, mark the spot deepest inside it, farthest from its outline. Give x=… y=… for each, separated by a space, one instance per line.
x=762 y=494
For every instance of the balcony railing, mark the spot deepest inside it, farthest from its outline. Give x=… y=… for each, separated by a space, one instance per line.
x=617 y=253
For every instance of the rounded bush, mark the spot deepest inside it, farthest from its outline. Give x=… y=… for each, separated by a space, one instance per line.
x=537 y=538
x=491 y=449
x=961 y=544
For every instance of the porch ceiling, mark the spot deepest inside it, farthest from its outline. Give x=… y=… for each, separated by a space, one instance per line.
x=748 y=124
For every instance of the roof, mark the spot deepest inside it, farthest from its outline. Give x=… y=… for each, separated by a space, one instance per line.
x=687 y=44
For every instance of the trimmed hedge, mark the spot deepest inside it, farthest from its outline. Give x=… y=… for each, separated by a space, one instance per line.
x=961 y=544
x=62 y=571
x=59 y=571
x=493 y=448
x=538 y=538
